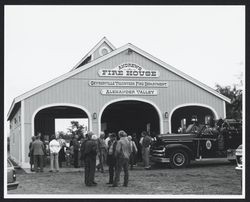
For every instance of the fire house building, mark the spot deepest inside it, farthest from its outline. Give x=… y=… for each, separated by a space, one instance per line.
x=113 y=88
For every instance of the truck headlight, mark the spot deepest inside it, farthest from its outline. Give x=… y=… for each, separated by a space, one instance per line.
x=14 y=175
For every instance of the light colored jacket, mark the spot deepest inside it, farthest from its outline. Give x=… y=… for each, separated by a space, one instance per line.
x=54 y=146
x=123 y=148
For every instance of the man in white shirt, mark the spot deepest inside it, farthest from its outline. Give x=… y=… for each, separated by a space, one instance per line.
x=54 y=147
x=107 y=138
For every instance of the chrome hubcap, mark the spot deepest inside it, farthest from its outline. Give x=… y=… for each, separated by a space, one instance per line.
x=179 y=159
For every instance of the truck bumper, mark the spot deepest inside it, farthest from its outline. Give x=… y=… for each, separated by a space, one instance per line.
x=159 y=159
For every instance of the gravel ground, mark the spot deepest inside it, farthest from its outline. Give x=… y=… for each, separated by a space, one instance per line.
x=213 y=177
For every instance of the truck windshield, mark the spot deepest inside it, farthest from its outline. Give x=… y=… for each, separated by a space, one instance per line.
x=194 y=128
x=189 y=128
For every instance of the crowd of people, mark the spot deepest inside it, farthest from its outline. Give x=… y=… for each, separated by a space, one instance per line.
x=119 y=151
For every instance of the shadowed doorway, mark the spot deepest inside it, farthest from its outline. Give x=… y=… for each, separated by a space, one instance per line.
x=131 y=116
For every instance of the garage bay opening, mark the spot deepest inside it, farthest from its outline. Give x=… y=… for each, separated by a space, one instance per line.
x=131 y=116
x=49 y=120
x=68 y=124
x=183 y=116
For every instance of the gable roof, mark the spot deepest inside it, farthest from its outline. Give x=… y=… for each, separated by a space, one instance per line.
x=107 y=56
x=89 y=54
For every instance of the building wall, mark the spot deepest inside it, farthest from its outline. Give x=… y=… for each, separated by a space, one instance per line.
x=15 y=136
x=76 y=91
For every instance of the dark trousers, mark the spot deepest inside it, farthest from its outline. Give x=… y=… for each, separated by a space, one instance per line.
x=139 y=154
x=112 y=166
x=101 y=160
x=31 y=161
x=132 y=160
x=76 y=158
x=122 y=163
x=38 y=161
x=90 y=166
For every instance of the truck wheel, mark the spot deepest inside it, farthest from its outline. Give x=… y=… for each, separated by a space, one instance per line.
x=179 y=159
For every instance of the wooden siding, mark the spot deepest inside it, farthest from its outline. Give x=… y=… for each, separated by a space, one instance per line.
x=76 y=90
x=15 y=136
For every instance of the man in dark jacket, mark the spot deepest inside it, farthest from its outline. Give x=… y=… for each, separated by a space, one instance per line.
x=76 y=146
x=37 y=148
x=31 y=154
x=111 y=157
x=89 y=152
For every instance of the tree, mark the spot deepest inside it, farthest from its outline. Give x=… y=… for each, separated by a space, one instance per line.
x=76 y=129
x=233 y=109
x=64 y=135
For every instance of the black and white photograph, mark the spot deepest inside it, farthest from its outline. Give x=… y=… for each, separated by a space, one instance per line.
x=125 y=101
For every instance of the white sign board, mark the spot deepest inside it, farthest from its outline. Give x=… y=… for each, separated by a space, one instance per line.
x=154 y=84
x=129 y=92
x=128 y=70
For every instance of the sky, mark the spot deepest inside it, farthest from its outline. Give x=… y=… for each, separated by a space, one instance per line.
x=43 y=42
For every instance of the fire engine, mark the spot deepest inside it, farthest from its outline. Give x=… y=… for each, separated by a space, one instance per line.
x=197 y=142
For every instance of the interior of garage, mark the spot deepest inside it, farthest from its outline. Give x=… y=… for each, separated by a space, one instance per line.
x=130 y=116
x=45 y=118
x=189 y=112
